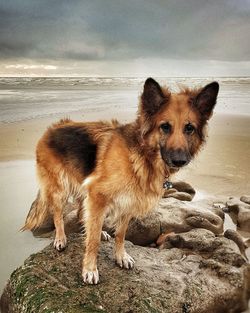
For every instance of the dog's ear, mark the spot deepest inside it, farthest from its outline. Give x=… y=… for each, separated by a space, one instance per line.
x=206 y=100
x=152 y=97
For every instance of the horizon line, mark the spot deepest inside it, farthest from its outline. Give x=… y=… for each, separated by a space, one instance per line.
x=128 y=77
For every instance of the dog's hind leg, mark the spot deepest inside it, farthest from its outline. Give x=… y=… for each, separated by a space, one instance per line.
x=123 y=259
x=57 y=203
x=94 y=217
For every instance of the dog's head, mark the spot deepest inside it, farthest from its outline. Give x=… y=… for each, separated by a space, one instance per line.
x=174 y=123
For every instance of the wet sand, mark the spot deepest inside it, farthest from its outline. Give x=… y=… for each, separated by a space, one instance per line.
x=18 y=189
x=223 y=165
x=222 y=168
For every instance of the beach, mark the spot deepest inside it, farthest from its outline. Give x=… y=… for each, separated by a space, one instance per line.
x=221 y=168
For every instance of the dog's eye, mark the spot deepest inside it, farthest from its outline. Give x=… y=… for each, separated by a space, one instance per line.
x=166 y=127
x=189 y=129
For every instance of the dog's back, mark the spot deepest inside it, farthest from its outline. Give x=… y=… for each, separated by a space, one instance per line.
x=65 y=155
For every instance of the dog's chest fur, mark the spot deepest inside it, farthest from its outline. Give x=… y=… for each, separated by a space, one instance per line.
x=132 y=204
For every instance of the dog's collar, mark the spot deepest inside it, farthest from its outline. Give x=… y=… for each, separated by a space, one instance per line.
x=167 y=184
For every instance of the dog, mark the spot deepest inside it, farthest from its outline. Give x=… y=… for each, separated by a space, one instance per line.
x=118 y=169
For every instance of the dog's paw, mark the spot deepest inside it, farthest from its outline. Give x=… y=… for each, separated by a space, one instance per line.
x=60 y=243
x=90 y=277
x=105 y=236
x=125 y=261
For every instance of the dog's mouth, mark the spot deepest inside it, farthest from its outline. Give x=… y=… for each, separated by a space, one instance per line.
x=175 y=159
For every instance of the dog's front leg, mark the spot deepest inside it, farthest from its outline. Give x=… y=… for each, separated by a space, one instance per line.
x=123 y=259
x=94 y=217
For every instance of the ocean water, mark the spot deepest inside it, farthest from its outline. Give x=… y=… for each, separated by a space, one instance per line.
x=28 y=98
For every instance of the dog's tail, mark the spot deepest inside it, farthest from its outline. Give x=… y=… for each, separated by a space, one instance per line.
x=38 y=213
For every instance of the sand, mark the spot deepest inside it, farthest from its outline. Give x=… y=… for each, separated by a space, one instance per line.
x=222 y=168
x=223 y=165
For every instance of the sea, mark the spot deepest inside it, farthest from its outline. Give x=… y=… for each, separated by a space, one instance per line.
x=25 y=98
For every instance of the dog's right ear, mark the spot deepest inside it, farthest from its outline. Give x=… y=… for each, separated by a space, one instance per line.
x=152 y=97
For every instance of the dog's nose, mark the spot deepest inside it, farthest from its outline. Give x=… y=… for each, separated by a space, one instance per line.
x=179 y=158
x=179 y=163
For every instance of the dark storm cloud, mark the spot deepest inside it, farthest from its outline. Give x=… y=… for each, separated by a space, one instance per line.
x=115 y=29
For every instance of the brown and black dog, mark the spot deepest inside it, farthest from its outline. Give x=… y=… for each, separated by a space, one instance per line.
x=117 y=169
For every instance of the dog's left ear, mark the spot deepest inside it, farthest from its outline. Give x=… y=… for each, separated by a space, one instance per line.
x=152 y=97
x=206 y=100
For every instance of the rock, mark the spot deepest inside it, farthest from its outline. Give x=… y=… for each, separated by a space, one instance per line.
x=219 y=211
x=245 y=199
x=169 y=191
x=183 y=196
x=146 y=230
x=236 y=237
x=181 y=191
x=205 y=243
x=171 y=215
x=240 y=213
x=219 y=205
x=247 y=242
x=162 y=240
x=184 y=187
x=168 y=280
x=181 y=217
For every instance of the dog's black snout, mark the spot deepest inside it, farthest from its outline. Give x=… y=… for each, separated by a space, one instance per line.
x=179 y=163
x=179 y=158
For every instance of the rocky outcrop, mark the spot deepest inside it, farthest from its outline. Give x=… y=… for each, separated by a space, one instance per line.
x=185 y=263
x=181 y=191
x=199 y=273
x=239 y=211
x=238 y=239
x=245 y=199
x=173 y=215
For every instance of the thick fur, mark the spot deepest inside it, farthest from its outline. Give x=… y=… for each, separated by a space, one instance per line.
x=118 y=170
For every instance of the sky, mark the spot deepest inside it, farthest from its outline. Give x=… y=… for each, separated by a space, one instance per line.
x=125 y=38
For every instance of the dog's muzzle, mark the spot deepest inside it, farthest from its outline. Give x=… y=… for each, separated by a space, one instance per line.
x=175 y=158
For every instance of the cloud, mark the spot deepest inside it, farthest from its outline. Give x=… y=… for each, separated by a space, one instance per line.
x=31 y=67
x=142 y=67
x=120 y=30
